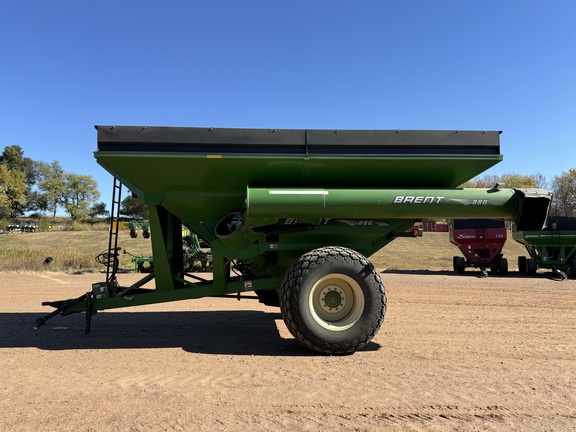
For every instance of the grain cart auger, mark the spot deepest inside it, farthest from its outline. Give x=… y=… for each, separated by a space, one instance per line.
x=291 y=215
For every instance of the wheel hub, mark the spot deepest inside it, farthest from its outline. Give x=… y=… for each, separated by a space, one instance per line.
x=333 y=298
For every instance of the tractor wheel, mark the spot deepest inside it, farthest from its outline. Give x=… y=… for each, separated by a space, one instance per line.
x=503 y=266
x=522 y=264
x=333 y=300
x=531 y=267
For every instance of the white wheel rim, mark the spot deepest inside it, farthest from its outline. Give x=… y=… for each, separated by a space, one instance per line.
x=336 y=302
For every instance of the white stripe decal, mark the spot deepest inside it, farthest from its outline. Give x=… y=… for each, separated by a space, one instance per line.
x=298 y=192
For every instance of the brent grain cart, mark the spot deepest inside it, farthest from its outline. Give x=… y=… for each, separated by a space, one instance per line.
x=291 y=215
x=553 y=247
x=481 y=242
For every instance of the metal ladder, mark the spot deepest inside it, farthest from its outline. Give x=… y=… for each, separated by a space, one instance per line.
x=112 y=257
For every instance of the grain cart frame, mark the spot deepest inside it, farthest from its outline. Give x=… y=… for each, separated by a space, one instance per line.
x=291 y=215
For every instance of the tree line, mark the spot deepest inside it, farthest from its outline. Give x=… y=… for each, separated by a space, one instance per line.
x=563 y=187
x=32 y=186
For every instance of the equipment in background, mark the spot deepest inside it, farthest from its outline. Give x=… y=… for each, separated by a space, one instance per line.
x=481 y=242
x=134 y=226
x=553 y=247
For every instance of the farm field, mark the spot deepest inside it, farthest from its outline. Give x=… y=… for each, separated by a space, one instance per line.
x=454 y=353
x=74 y=251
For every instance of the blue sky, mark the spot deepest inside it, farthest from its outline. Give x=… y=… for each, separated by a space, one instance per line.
x=479 y=65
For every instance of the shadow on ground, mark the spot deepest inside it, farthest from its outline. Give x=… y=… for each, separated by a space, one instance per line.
x=473 y=272
x=204 y=332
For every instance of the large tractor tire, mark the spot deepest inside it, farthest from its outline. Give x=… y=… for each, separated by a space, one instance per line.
x=333 y=300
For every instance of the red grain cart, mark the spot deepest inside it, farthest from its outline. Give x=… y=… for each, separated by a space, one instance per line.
x=481 y=241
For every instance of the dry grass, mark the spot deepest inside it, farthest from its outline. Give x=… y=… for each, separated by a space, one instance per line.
x=71 y=251
x=75 y=251
x=87 y=226
x=432 y=251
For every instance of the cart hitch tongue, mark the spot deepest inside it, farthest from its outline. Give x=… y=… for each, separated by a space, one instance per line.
x=64 y=305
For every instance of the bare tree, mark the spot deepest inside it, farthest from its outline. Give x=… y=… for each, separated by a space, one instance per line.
x=512 y=180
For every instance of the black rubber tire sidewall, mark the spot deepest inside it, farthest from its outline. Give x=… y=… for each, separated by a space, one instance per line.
x=503 y=267
x=522 y=264
x=573 y=267
x=460 y=266
x=531 y=267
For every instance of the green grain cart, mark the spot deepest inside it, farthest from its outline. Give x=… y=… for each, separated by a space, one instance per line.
x=553 y=247
x=292 y=215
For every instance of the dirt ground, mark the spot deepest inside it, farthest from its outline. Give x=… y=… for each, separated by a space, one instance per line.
x=454 y=353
